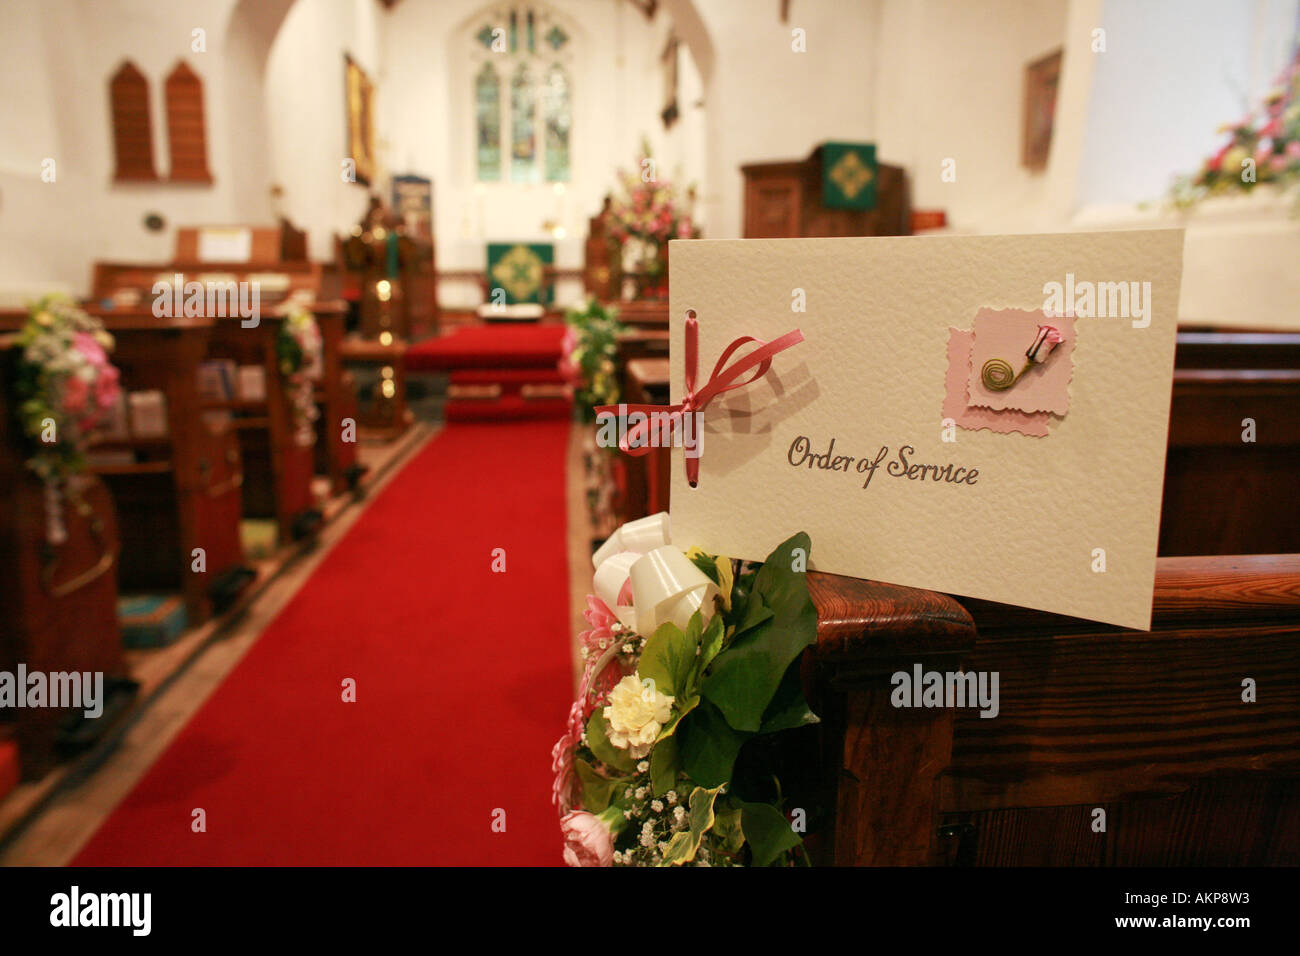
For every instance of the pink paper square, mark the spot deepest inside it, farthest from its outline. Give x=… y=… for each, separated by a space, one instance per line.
x=1006 y=334
x=955 y=404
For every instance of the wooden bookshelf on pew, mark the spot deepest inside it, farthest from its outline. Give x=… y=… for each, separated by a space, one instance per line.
x=59 y=600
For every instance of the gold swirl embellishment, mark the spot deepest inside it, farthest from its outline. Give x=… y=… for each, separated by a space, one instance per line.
x=998 y=375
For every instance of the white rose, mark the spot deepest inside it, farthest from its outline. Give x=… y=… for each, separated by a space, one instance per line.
x=636 y=713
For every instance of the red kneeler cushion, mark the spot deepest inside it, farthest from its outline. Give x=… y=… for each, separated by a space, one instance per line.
x=503 y=376
x=489 y=346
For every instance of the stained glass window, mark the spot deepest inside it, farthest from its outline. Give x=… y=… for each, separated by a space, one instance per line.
x=559 y=114
x=523 y=127
x=523 y=132
x=487 y=106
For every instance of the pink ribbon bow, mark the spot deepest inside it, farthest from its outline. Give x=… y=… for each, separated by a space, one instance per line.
x=635 y=442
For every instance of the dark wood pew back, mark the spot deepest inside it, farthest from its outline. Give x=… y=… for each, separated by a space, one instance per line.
x=1234 y=443
x=183 y=491
x=1149 y=727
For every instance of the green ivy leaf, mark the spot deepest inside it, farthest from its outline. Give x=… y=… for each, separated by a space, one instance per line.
x=606 y=752
x=747 y=674
x=711 y=642
x=709 y=746
x=768 y=832
x=684 y=845
x=669 y=658
x=727 y=825
x=717 y=570
x=664 y=766
x=597 y=791
x=789 y=708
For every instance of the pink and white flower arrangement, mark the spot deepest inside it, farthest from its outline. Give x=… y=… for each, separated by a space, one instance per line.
x=647 y=214
x=1262 y=147
x=647 y=772
x=301 y=352
x=65 y=384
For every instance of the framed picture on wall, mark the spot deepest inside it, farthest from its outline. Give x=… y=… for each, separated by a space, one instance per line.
x=359 y=100
x=1042 y=77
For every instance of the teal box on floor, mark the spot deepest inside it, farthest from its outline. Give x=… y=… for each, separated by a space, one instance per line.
x=151 y=620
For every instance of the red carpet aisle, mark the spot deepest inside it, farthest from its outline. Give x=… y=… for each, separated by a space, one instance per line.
x=463 y=684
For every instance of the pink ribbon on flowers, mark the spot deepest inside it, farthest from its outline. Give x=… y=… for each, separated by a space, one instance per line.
x=636 y=441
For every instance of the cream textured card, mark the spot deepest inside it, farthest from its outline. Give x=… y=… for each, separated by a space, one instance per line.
x=1065 y=521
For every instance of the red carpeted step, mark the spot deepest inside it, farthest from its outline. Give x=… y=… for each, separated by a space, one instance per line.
x=489 y=346
x=506 y=408
x=492 y=376
x=463 y=678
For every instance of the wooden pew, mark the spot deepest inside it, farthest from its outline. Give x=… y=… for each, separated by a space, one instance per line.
x=277 y=469
x=336 y=396
x=1148 y=726
x=1224 y=494
x=59 y=601
x=183 y=491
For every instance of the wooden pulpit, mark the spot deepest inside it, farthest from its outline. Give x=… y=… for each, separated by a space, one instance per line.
x=783 y=200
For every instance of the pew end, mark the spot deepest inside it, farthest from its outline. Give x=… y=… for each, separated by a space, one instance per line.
x=1150 y=727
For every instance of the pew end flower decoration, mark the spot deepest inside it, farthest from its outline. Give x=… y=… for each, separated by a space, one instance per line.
x=690 y=661
x=587 y=356
x=299 y=350
x=64 y=386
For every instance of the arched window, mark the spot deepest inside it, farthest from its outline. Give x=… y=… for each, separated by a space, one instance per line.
x=523 y=96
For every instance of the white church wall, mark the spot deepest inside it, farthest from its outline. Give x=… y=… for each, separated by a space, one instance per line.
x=952 y=88
x=764 y=101
x=59 y=57
x=304 y=105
